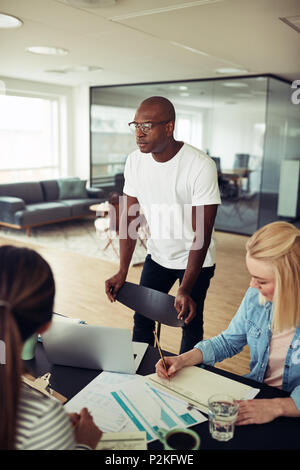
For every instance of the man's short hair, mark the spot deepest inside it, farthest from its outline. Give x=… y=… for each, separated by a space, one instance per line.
x=165 y=104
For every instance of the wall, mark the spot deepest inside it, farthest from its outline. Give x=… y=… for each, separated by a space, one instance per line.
x=81 y=126
x=235 y=130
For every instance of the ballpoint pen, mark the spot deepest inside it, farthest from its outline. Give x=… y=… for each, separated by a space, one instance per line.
x=160 y=353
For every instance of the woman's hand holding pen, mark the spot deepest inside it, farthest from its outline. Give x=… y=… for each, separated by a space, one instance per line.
x=173 y=364
x=176 y=363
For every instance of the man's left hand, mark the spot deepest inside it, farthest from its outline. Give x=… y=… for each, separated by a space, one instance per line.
x=185 y=306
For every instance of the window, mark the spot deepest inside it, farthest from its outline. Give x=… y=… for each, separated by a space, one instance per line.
x=189 y=128
x=112 y=140
x=29 y=138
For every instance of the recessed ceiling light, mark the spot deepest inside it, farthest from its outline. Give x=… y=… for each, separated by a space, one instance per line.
x=226 y=70
x=183 y=87
x=47 y=50
x=8 y=21
x=235 y=84
x=184 y=94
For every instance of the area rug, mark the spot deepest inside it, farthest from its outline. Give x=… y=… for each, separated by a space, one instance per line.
x=78 y=236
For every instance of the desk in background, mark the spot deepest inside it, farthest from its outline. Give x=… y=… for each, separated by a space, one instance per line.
x=280 y=434
x=236 y=175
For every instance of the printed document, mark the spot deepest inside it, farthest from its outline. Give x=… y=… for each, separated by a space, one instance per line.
x=123 y=441
x=97 y=398
x=149 y=409
x=127 y=404
x=196 y=385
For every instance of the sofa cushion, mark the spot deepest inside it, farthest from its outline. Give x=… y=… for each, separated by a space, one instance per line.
x=30 y=192
x=50 y=190
x=80 y=207
x=98 y=193
x=8 y=206
x=35 y=214
x=71 y=188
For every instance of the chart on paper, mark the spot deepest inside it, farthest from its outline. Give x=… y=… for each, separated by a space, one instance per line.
x=149 y=409
x=97 y=398
x=128 y=404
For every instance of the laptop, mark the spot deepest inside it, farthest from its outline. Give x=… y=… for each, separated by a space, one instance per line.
x=93 y=347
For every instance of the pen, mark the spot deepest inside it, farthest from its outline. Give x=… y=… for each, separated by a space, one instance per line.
x=160 y=353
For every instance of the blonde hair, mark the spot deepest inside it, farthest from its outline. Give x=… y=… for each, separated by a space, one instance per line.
x=279 y=244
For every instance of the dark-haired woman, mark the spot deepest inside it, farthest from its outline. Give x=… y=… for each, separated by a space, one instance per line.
x=28 y=419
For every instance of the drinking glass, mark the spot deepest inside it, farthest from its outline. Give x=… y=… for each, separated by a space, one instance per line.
x=222 y=412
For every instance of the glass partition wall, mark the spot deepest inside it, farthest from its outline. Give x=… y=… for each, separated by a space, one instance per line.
x=248 y=125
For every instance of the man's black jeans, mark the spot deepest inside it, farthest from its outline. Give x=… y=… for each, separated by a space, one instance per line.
x=162 y=279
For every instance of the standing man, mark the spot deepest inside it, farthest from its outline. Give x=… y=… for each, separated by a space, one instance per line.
x=176 y=186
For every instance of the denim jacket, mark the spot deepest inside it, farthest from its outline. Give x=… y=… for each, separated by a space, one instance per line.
x=252 y=325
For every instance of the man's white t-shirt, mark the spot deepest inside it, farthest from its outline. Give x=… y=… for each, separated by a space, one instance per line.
x=166 y=193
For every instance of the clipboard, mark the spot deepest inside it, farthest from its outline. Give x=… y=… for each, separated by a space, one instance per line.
x=41 y=384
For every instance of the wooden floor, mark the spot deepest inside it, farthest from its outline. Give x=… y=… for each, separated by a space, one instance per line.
x=80 y=292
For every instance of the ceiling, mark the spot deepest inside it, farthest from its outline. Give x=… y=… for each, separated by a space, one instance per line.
x=136 y=41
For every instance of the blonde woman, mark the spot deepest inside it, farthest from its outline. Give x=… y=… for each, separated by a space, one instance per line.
x=268 y=320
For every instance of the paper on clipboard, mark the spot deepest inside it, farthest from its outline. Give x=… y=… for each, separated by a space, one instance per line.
x=96 y=396
x=123 y=441
x=196 y=385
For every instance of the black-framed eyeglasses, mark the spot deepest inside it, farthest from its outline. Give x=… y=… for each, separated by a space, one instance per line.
x=144 y=126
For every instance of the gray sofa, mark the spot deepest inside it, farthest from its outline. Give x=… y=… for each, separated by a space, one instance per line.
x=29 y=204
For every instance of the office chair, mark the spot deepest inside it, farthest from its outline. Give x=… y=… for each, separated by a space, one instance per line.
x=151 y=303
x=241 y=160
x=217 y=161
x=227 y=190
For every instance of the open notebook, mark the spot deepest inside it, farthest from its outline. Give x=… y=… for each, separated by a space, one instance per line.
x=196 y=385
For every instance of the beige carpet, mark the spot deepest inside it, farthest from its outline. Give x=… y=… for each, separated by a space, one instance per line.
x=78 y=236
